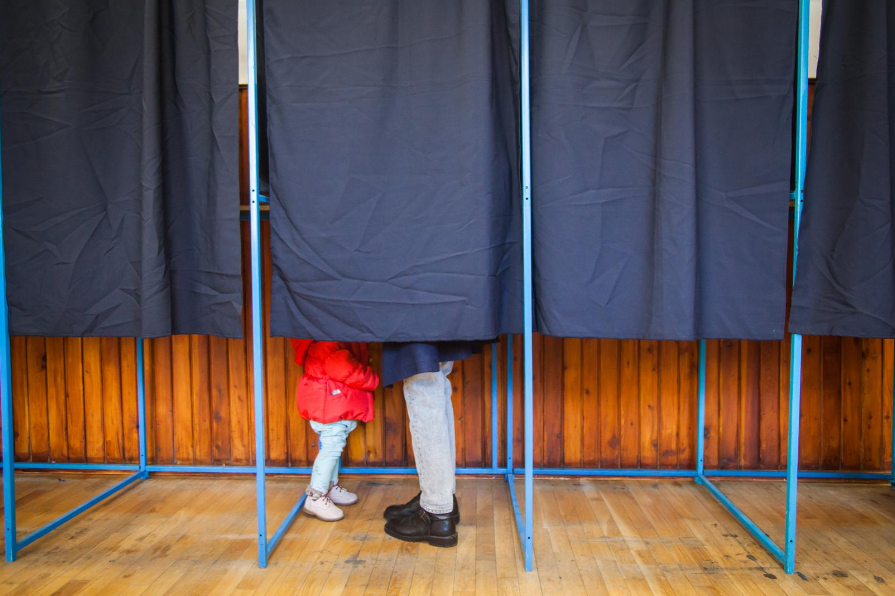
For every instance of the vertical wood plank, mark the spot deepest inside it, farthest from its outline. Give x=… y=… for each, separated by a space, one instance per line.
x=832 y=404
x=729 y=408
x=688 y=365
x=93 y=398
x=851 y=403
x=182 y=400
x=887 y=398
x=572 y=408
x=129 y=414
x=590 y=403
x=56 y=407
x=296 y=426
x=373 y=433
x=219 y=385
x=630 y=404
x=164 y=402
x=712 y=430
x=276 y=401
x=769 y=450
x=649 y=404
x=394 y=424
x=474 y=411
x=113 y=425
x=21 y=426
x=200 y=389
x=812 y=376
x=37 y=399
x=74 y=403
x=750 y=384
x=871 y=399
x=668 y=406
x=610 y=413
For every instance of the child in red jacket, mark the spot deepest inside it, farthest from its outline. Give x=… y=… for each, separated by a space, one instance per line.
x=335 y=392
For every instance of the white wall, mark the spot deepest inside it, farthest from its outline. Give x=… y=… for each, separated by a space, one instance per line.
x=816 y=6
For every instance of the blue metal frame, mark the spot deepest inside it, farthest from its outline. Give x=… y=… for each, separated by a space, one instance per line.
x=138 y=472
x=524 y=523
x=787 y=554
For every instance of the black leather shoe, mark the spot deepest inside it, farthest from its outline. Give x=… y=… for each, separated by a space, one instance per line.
x=412 y=506
x=422 y=526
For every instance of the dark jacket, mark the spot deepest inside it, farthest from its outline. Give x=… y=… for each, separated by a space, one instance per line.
x=403 y=360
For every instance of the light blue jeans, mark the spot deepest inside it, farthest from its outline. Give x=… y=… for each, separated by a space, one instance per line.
x=332 y=438
x=431 y=414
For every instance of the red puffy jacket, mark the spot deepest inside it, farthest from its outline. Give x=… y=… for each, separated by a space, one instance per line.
x=338 y=382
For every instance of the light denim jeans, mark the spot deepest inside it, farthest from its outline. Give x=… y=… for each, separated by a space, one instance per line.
x=431 y=413
x=331 y=441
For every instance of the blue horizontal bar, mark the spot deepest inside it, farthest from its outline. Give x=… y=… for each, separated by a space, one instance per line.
x=597 y=472
x=263 y=198
x=610 y=472
x=290 y=517
x=60 y=466
x=741 y=517
x=808 y=474
x=78 y=510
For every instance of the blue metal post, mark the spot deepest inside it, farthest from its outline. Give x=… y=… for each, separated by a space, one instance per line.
x=141 y=406
x=700 y=422
x=9 y=482
x=795 y=368
x=495 y=351
x=527 y=285
x=257 y=339
x=509 y=405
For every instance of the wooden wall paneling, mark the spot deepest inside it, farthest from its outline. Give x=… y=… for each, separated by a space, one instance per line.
x=729 y=405
x=871 y=404
x=610 y=412
x=711 y=430
x=552 y=400
x=74 y=403
x=518 y=403
x=93 y=399
x=629 y=390
x=812 y=379
x=37 y=398
x=374 y=431
x=219 y=386
x=750 y=386
x=20 y=414
x=130 y=428
x=163 y=399
x=474 y=418
x=886 y=395
x=590 y=403
x=200 y=396
x=851 y=404
x=667 y=420
x=769 y=406
x=649 y=403
x=688 y=373
x=181 y=399
x=831 y=420
x=56 y=406
x=572 y=403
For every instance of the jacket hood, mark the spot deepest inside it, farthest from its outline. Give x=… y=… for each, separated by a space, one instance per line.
x=301 y=347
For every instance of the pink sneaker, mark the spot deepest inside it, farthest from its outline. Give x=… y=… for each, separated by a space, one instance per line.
x=319 y=505
x=340 y=496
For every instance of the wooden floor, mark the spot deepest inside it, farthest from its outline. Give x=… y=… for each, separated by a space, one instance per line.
x=196 y=535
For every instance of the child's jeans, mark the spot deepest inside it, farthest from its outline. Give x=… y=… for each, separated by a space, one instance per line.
x=332 y=439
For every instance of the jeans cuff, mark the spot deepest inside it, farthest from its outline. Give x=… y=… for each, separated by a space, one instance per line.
x=438 y=510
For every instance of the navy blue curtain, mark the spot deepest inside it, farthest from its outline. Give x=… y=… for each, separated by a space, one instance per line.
x=394 y=169
x=846 y=277
x=662 y=140
x=119 y=128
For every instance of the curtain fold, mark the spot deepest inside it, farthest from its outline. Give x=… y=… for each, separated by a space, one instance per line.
x=662 y=138
x=119 y=128
x=394 y=169
x=845 y=283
